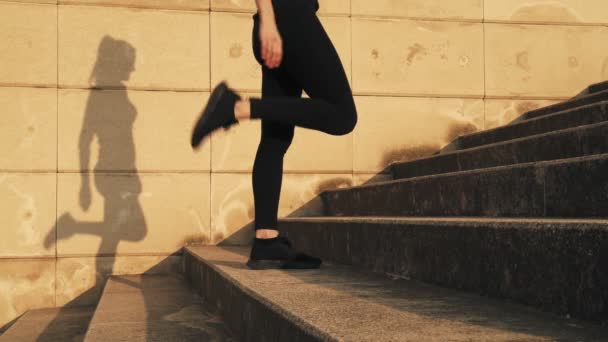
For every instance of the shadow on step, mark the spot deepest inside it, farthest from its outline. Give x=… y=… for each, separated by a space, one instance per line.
x=64 y=328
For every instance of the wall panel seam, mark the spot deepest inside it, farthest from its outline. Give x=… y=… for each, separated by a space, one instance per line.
x=56 y=147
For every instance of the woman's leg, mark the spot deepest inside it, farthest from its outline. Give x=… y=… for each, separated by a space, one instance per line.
x=275 y=140
x=270 y=250
x=310 y=59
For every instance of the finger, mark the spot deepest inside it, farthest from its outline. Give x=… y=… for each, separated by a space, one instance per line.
x=273 y=49
x=269 y=61
x=275 y=53
x=265 y=49
x=279 y=53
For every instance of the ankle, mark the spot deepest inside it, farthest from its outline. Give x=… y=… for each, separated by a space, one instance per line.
x=242 y=109
x=266 y=233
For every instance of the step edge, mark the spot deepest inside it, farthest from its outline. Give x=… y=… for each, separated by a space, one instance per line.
x=302 y=324
x=537 y=164
x=573 y=99
x=506 y=142
x=543 y=117
x=445 y=220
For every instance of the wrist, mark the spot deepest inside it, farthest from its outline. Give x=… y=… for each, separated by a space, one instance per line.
x=267 y=14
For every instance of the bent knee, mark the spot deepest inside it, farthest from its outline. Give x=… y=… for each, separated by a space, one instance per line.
x=348 y=122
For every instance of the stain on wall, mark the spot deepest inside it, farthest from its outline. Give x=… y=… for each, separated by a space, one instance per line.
x=457 y=129
x=333 y=183
x=549 y=11
x=407 y=153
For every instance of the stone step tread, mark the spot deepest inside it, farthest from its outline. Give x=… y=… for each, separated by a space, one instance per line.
x=478 y=171
x=598 y=94
x=338 y=302
x=537 y=137
x=153 y=308
x=514 y=140
x=51 y=324
x=527 y=121
x=592 y=88
x=556 y=265
x=464 y=220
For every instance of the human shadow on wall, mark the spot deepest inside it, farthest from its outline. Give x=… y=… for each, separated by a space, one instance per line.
x=109 y=117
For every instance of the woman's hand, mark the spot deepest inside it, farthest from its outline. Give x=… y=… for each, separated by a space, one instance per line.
x=271 y=42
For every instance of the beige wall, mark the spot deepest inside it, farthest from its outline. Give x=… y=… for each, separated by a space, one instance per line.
x=422 y=71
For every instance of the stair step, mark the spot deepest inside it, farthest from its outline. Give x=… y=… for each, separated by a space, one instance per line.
x=594 y=88
x=567 y=143
x=558 y=265
x=575 y=187
x=153 y=308
x=580 y=116
x=600 y=95
x=53 y=324
x=338 y=302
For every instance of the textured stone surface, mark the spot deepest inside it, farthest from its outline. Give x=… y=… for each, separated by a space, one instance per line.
x=584 y=115
x=28 y=129
x=130 y=130
x=577 y=189
x=368 y=178
x=28 y=44
x=155 y=49
x=154 y=308
x=129 y=213
x=577 y=101
x=539 y=11
x=558 y=265
x=593 y=89
x=25 y=284
x=534 y=63
x=568 y=143
x=80 y=281
x=391 y=129
x=232 y=53
x=232 y=206
x=157 y=4
x=502 y=112
x=27 y=204
x=522 y=190
x=51 y=324
x=431 y=57
x=339 y=303
x=455 y=9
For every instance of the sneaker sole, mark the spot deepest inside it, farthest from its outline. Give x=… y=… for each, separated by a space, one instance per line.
x=280 y=264
x=214 y=98
x=264 y=264
x=301 y=265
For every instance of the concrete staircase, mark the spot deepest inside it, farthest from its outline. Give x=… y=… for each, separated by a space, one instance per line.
x=517 y=212
x=501 y=237
x=52 y=324
x=131 y=308
x=346 y=303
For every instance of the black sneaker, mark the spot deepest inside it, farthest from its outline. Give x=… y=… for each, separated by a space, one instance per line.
x=279 y=253
x=219 y=112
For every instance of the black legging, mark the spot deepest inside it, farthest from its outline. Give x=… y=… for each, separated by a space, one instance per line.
x=310 y=63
